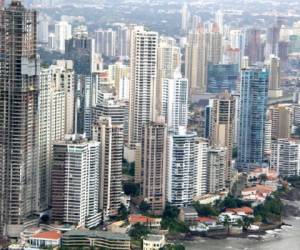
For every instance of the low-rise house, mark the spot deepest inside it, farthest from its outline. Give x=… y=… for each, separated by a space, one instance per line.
x=154 y=242
x=45 y=239
x=258 y=193
x=203 y=224
x=145 y=220
x=232 y=218
x=243 y=211
x=188 y=214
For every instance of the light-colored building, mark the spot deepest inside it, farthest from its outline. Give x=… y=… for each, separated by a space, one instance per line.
x=216 y=169
x=63 y=32
x=282 y=118
x=46 y=239
x=154 y=242
x=285 y=157
x=108 y=129
x=63 y=75
x=143 y=67
x=106 y=42
x=181 y=173
x=51 y=127
x=168 y=62
x=202 y=146
x=175 y=102
x=154 y=166
x=222 y=127
x=75 y=182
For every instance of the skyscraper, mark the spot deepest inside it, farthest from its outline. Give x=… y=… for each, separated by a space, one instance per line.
x=19 y=87
x=222 y=127
x=168 y=62
x=143 y=68
x=181 y=173
x=63 y=75
x=51 y=128
x=106 y=42
x=216 y=169
x=282 y=117
x=154 y=166
x=285 y=157
x=175 y=102
x=108 y=129
x=75 y=182
x=196 y=61
x=63 y=32
x=201 y=147
x=253 y=106
x=274 y=66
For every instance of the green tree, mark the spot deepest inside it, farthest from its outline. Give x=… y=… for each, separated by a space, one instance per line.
x=138 y=230
x=226 y=223
x=205 y=210
x=123 y=212
x=144 y=207
x=131 y=188
x=263 y=178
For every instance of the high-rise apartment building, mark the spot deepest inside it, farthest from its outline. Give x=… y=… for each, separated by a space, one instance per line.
x=282 y=118
x=181 y=173
x=274 y=68
x=201 y=147
x=63 y=75
x=253 y=45
x=196 y=61
x=204 y=46
x=154 y=166
x=108 y=129
x=222 y=127
x=19 y=90
x=253 y=107
x=75 y=182
x=63 y=32
x=106 y=42
x=51 y=128
x=216 y=169
x=175 y=102
x=168 y=62
x=285 y=157
x=143 y=67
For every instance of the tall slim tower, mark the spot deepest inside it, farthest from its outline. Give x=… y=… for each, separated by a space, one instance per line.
x=143 y=80
x=154 y=167
x=19 y=87
x=108 y=129
x=222 y=126
x=253 y=107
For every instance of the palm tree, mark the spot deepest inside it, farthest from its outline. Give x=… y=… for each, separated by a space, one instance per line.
x=226 y=223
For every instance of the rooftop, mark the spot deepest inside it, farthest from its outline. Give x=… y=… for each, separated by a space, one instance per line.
x=97 y=234
x=50 y=235
x=154 y=237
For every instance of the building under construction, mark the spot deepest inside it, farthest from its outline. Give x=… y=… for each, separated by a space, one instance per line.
x=18 y=118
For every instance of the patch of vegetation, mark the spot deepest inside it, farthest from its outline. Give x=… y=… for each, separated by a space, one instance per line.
x=138 y=231
x=128 y=168
x=205 y=210
x=173 y=247
x=271 y=211
x=131 y=188
x=170 y=221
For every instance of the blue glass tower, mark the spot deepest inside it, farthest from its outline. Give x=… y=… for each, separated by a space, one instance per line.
x=253 y=107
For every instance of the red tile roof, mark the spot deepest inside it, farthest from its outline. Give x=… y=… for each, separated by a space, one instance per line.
x=50 y=235
x=138 y=218
x=246 y=210
x=205 y=219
